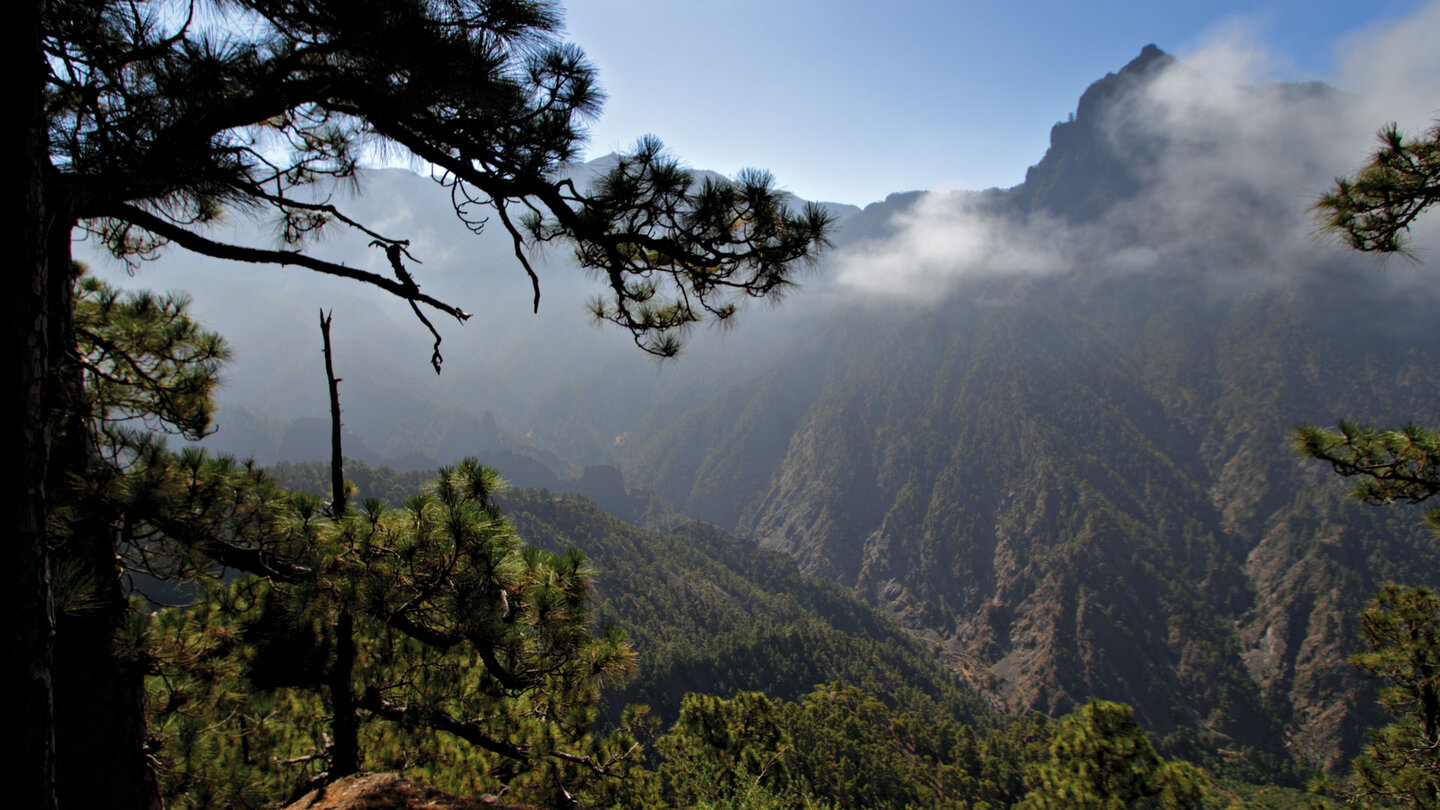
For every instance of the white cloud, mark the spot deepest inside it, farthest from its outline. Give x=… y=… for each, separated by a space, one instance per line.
x=1230 y=164
x=1395 y=70
x=941 y=238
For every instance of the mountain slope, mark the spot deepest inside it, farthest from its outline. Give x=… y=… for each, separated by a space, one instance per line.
x=1077 y=481
x=1043 y=427
x=710 y=613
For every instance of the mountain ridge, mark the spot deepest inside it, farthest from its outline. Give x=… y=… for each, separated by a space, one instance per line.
x=1069 y=474
x=1078 y=482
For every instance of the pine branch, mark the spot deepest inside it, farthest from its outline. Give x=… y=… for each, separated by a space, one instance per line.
x=286 y=258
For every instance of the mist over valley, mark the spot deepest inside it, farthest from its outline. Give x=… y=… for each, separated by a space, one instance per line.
x=1042 y=429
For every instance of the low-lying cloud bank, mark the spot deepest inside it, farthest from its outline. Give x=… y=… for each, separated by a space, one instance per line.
x=1229 y=163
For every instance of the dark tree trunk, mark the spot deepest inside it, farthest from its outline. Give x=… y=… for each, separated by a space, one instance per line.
x=337 y=456
x=26 y=607
x=345 y=723
x=99 y=678
x=100 y=730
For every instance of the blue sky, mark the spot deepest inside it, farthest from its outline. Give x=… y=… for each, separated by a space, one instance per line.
x=848 y=101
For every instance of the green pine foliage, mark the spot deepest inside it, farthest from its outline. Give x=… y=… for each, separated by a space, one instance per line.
x=1400 y=767
x=146 y=363
x=1374 y=209
x=1101 y=760
x=1390 y=465
x=840 y=746
x=306 y=641
x=144 y=368
x=837 y=746
x=426 y=639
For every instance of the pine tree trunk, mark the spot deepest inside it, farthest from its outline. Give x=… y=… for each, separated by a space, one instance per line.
x=100 y=727
x=345 y=724
x=25 y=606
x=99 y=679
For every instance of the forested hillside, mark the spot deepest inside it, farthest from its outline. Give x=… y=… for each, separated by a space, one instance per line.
x=766 y=687
x=708 y=612
x=1063 y=466
x=1047 y=488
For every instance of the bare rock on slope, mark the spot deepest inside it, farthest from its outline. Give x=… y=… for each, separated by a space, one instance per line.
x=388 y=791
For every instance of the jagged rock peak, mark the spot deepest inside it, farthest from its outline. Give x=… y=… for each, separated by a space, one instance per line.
x=1150 y=57
x=1142 y=68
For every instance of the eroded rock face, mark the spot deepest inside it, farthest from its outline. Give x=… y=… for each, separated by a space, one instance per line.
x=1078 y=483
x=1088 y=492
x=1073 y=512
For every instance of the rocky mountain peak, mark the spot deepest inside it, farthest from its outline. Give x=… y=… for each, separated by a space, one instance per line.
x=1142 y=69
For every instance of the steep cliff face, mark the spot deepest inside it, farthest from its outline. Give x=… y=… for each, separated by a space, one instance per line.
x=1078 y=482
x=1077 y=507
x=1082 y=175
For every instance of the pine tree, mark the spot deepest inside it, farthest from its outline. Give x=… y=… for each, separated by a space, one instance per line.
x=143 y=123
x=1374 y=209
x=139 y=362
x=1388 y=465
x=424 y=637
x=719 y=749
x=1402 y=762
x=433 y=620
x=1101 y=760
